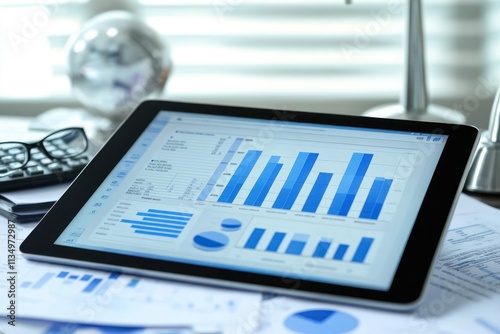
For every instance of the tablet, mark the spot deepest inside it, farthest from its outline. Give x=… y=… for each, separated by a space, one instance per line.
x=338 y=208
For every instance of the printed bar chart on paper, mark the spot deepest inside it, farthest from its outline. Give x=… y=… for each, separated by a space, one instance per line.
x=82 y=282
x=345 y=183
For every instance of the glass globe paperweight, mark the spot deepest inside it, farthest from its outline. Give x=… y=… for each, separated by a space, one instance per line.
x=114 y=63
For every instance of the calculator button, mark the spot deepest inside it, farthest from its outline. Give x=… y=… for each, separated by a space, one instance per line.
x=72 y=150
x=7 y=159
x=57 y=153
x=73 y=163
x=34 y=171
x=14 y=151
x=31 y=163
x=15 y=165
x=17 y=173
x=50 y=148
x=76 y=163
x=38 y=156
x=55 y=167
x=3 y=169
x=46 y=161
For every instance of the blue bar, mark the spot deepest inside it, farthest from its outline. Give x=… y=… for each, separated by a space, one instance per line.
x=349 y=185
x=322 y=248
x=291 y=180
x=156 y=215
x=86 y=278
x=63 y=274
x=157 y=234
x=173 y=213
x=254 y=238
x=371 y=199
x=317 y=192
x=356 y=183
x=362 y=250
x=381 y=198
x=267 y=186
x=92 y=285
x=45 y=278
x=114 y=275
x=261 y=181
x=220 y=169
x=140 y=222
x=275 y=242
x=301 y=179
x=240 y=175
x=25 y=284
x=73 y=277
x=340 y=252
x=159 y=220
x=297 y=244
x=133 y=283
x=164 y=230
x=104 y=287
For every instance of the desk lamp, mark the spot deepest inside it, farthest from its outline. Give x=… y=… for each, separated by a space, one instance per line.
x=414 y=103
x=484 y=175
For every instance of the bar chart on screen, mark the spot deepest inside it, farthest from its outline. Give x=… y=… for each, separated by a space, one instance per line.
x=134 y=222
x=336 y=182
x=341 y=245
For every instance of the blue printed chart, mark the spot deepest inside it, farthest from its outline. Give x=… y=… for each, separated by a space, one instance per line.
x=85 y=283
x=321 y=321
x=348 y=184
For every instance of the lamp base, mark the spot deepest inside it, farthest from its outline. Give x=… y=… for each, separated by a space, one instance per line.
x=433 y=113
x=484 y=176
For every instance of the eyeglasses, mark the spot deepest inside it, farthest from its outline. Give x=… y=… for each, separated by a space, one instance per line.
x=62 y=144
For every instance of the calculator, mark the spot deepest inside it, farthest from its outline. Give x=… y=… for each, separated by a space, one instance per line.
x=40 y=170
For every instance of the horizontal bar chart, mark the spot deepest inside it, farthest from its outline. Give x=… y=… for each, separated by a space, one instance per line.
x=293 y=183
x=159 y=223
x=303 y=244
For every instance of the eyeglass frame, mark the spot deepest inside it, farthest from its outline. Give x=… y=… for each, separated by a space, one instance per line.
x=41 y=147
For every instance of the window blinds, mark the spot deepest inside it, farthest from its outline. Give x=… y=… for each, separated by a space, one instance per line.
x=318 y=55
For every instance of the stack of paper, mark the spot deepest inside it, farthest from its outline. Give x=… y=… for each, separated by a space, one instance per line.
x=29 y=205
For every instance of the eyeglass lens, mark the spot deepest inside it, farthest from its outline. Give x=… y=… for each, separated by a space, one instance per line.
x=65 y=143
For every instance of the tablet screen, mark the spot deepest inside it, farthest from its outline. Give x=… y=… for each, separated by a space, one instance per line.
x=335 y=204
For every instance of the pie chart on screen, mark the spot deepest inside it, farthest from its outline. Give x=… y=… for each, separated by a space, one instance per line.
x=210 y=241
x=231 y=224
x=321 y=321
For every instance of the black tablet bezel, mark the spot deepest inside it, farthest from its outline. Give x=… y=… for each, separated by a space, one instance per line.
x=413 y=270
